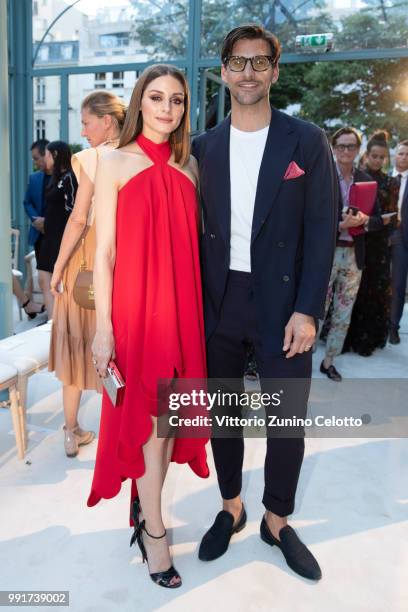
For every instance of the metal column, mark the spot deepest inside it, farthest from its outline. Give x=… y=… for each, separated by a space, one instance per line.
x=64 y=88
x=21 y=112
x=6 y=328
x=193 y=56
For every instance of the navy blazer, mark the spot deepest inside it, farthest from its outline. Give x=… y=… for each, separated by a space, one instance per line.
x=404 y=216
x=294 y=225
x=375 y=222
x=34 y=202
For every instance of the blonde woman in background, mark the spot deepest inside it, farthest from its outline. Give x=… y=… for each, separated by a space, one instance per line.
x=73 y=328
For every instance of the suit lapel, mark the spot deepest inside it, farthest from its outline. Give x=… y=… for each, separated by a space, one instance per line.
x=280 y=145
x=404 y=215
x=219 y=155
x=404 y=203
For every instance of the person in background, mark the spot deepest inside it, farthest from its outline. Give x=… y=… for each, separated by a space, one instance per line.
x=34 y=202
x=350 y=251
x=399 y=243
x=73 y=327
x=30 y=308
x=59 y=202
x=369 y=324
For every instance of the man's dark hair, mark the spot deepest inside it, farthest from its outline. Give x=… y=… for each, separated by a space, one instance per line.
x=41 y=145
x=403 y=143
x=346 y=130
x=62 y=159
x=252 y=32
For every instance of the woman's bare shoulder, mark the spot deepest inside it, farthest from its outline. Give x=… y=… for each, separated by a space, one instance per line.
x=109 y=156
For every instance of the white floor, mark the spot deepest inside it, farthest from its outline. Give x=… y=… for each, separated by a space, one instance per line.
x=352 y=510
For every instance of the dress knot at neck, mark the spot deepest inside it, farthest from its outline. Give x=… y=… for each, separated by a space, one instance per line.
x=157 y=152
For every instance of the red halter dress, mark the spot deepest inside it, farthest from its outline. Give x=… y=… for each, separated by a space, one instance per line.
x=157 y=317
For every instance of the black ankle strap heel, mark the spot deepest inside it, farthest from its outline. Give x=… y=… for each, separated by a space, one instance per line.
x=161 y=578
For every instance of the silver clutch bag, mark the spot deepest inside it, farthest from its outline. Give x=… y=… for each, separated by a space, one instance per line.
x=114 y=384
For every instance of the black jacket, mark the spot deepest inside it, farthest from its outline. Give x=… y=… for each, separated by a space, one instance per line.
x=375 y=223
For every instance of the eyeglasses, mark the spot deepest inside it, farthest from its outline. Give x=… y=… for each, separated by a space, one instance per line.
x=259 y=63
x=346 y=147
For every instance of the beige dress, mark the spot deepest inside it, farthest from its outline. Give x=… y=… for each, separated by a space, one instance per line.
x=73 y=327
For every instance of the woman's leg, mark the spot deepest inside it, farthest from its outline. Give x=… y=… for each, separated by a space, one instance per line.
x=18 y=290
x=157 y=453
x=74 y=436
x=31 y=308
x=71 y=399
x=44 y=280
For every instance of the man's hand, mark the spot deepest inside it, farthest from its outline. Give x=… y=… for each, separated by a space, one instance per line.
x=38 y=223
x=300 y=333
x=350 y=220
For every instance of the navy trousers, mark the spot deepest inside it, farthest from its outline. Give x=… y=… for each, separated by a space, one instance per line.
x=226 y=358
x=399 y=273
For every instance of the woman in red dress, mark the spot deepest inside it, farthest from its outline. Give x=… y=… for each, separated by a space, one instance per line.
x=149 y=315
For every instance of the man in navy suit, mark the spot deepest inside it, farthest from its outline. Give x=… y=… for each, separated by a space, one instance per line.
x=399 y=243
x=34 y=197
x=269 y=197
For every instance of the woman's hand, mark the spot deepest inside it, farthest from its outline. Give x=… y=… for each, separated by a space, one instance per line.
x=103 y=350
x=55 y=281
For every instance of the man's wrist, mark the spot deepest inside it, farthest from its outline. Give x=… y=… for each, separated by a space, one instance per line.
x=307 y=316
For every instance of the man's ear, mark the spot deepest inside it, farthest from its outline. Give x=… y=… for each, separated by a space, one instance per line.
x=275 y=73
x=223 y=73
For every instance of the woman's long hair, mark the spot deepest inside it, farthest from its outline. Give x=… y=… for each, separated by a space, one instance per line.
x=133 y=126
x=62 y=159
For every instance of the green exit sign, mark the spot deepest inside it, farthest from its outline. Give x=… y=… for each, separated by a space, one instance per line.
x=315 y=41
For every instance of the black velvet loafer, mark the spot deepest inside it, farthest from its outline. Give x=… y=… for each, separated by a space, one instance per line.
x=215 y=542
x=331 y=372
x=297 y=555
x=394 y=337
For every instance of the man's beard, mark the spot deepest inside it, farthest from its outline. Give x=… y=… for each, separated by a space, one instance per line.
x=247 y=98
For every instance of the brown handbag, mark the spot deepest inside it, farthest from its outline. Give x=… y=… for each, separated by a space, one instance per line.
x=83 y=292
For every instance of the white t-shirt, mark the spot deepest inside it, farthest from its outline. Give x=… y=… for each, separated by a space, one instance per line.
x=246 y=152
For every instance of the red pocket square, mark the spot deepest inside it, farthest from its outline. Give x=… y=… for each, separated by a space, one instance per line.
x=293 y=171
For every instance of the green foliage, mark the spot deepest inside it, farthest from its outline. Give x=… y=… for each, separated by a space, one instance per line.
x=292 y=85
x=365 y=30
x=75 y=147
x=365 y=94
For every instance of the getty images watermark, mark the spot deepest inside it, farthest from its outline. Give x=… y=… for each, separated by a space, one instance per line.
x=254 y=401
x=371 y=408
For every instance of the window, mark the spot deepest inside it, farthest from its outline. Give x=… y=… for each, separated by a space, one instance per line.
x=100 y=80
x=118 y=39
x=39 y=129
x=35 y=8
x=40 y=91
x=67 y=51
x=117 y=79
x=43 y=54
